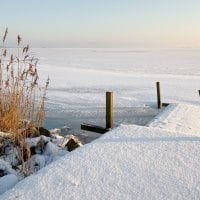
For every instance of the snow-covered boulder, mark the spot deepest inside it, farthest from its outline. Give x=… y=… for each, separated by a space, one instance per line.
x=7 y=182
x=5 y=168
x=35 y=163
x=71 y=142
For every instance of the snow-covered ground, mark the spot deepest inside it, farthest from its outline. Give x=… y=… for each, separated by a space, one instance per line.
x=160 y=161
x=81 y=76
x=130 y=162
x=180 y=118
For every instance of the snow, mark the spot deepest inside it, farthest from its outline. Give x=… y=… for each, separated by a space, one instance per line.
x=159 y=161
x=44 y=151
x=36 y=162
x=6 y=167
x=127 y=163
x=79 y=79
x=180 y=118
x=33 y=141
x=7 y=182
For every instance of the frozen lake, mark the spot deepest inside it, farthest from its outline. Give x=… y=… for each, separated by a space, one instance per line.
x=96 y=116
x=80 y=77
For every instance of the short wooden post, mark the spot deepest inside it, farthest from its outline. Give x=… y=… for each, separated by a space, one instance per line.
x=109 y=109
x=159 y=102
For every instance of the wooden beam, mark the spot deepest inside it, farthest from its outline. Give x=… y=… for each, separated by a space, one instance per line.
x=165 y=104
x=109 y=110
x=93 y=128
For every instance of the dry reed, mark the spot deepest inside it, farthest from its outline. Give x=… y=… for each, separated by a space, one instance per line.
x=21 y=99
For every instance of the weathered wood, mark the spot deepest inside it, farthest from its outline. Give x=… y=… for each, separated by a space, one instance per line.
x=109 y=109
x=109 y=117
x=165 y=104
x=159 y=102
x=93 y=128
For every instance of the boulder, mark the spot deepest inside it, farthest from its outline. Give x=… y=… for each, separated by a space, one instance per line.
x=44 y=132
x=33 y=131
x=71 y=142
x=40 y=145
x=5 y=168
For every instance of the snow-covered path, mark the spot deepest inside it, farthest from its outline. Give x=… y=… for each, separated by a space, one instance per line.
x=183 y=118
x=130 y=162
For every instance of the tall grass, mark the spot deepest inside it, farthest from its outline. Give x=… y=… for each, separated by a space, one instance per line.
x=21 y=98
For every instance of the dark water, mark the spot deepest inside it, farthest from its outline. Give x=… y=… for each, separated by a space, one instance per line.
x=70 y=120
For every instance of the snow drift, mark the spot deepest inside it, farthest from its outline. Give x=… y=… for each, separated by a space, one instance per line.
x=130 y=162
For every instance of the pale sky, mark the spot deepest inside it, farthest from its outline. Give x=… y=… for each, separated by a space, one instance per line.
x=102 y=23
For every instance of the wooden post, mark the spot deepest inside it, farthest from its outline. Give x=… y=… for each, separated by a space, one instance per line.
x=159 y=102
x=109 y=110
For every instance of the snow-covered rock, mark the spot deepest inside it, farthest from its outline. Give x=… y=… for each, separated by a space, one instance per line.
x=35 y=163
x=71 y=142
x=7 y=182
x=34 y=141
x=6 y=168
x=12 y=155
x=51 y=149
x=38 y=152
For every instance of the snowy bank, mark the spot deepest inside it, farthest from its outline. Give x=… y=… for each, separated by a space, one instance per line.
x=183 y=118
x=43 y=151
x=130 y=162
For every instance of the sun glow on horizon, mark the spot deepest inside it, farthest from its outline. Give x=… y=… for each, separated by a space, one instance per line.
x=105 y=23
